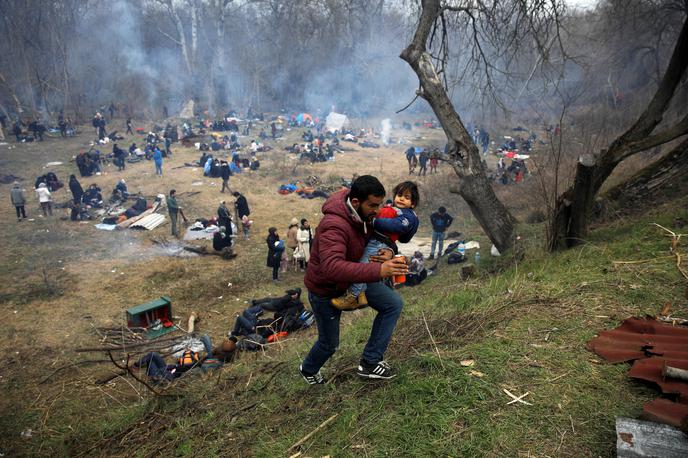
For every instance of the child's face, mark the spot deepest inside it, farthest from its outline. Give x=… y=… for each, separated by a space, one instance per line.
x=403 y=200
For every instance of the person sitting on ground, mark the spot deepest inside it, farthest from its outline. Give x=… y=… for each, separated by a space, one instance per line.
x=121 y=192
x=222 y=242
x=92 y=197
x=392 y=224
x=417 y=272
x=246 y=323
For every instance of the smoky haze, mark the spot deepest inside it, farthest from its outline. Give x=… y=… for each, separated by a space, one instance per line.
x=299 y=55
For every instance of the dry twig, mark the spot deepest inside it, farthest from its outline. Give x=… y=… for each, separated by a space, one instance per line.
x=314 y=432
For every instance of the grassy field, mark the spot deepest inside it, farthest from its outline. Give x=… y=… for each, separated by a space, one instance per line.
x=523 y=323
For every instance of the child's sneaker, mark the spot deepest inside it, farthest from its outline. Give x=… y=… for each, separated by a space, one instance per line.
x=346 y=302
x=381 y=370
x=315 y=379
x=362 y=299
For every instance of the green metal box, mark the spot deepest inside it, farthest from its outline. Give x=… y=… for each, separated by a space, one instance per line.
x=144 y=315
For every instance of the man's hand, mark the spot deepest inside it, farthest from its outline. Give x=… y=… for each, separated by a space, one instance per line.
x=394 y=266
x=383 y=254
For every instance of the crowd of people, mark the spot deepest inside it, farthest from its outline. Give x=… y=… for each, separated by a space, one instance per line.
x=352 y=263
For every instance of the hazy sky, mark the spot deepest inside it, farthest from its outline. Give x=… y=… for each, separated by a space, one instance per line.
x=582 y=3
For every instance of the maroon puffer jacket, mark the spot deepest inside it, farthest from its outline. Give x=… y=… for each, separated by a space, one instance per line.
x=338 y=245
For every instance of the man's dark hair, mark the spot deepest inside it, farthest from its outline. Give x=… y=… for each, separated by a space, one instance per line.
x=364 y=186
x=236 y=193
x=272 y=230
x=172 y=191
x=303 y=220
x=442 y=210
x=411 y=187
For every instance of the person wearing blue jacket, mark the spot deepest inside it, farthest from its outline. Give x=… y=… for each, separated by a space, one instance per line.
x=396 y=222
x=441 y=220
x=157 y=158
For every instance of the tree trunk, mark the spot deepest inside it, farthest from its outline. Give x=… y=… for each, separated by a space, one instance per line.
x=570 y=223
x=473 y=186
x=665 y=178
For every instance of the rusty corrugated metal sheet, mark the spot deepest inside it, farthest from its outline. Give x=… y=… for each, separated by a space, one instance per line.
x=652 y=345
x=638 y=338
x=650 y=370
x=665 y=411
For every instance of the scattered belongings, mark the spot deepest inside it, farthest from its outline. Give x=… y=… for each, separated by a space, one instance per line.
x=155 y=316
x=9 y=179
x=127 y=222
x=660 y=355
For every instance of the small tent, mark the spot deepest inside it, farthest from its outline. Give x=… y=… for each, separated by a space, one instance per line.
x=303 y=118
x=336 y=121
x=187 y=110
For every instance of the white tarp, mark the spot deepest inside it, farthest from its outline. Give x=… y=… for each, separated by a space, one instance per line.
x=187 y=110
x=336 y=121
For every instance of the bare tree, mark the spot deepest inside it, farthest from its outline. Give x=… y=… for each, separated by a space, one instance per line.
x=486 y=28
x=570 y=224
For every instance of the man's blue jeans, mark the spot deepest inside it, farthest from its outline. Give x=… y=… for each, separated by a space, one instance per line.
x=437 y=237
x=381 y=298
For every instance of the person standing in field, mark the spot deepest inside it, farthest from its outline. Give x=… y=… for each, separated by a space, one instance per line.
x=18 y=199
x=173 y=209
x=440 y=220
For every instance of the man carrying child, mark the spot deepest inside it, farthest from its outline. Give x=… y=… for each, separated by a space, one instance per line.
x=338 y=245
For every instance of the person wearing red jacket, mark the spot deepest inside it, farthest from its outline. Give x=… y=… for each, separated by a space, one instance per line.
x=338 y=245
x=397 y=222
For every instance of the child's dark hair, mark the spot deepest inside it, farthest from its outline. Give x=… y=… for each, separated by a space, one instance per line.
x=411 y=187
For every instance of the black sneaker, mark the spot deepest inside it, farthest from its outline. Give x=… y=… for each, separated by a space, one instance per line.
x=315 y=379
x=381 y=370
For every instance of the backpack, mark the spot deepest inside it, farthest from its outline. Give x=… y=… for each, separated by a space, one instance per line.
x=455 y=258
x=307 y=318
x=188 y=359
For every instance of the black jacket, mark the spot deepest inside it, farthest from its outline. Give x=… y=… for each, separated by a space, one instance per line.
x=440 y=223
x=242 y=206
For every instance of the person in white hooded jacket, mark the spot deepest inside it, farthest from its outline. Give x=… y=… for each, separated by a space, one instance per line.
x=304 y=238
x=45 y=199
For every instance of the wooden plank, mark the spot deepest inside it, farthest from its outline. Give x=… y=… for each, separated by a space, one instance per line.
x=637 y=438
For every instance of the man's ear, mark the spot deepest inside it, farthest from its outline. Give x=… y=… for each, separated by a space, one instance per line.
x=355 y=203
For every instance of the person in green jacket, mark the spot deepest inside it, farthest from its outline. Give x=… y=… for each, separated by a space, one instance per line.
x=173 y=208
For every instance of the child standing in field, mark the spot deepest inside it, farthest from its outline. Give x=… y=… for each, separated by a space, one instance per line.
x=392 y=223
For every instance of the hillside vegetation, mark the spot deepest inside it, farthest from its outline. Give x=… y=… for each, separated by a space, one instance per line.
x=519 y=326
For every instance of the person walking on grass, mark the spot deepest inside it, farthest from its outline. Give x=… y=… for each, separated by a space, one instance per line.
x=18 y=199
x=225 y=173
x=45 y=199
x=441 y=220
x=334 y=264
